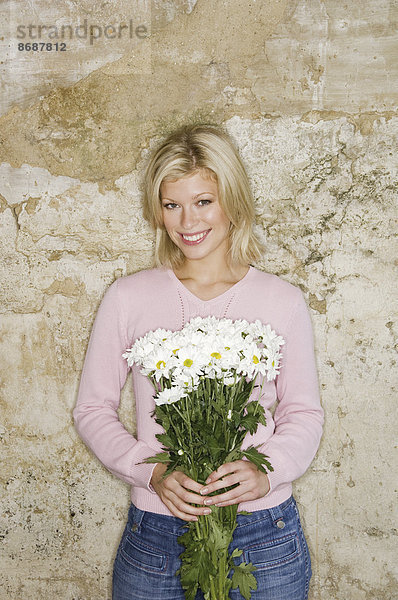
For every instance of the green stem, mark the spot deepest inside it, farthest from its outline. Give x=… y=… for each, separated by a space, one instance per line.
x=212 y=594
x=191 y=451
x=198 y=528
x=222 y=577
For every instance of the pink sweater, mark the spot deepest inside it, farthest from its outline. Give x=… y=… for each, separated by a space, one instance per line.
x=136 y=304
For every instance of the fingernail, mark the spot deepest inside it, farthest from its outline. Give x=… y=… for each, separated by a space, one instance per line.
x=207 y=511
x=207 y=502
x=204 y=491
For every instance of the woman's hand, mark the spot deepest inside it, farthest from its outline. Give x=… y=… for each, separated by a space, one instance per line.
x=253 y=484
x=176 y=492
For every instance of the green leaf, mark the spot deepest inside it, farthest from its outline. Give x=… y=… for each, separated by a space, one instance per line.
x=255 y=414
x=166 y=440
x=235 y=454
x=258 y=459
x=262 y=419
x=196 y=564
x=244 y=579
x=162 y=457
x=250 y=423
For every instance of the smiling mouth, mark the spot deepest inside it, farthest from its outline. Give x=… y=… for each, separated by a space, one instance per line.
x=194 y=238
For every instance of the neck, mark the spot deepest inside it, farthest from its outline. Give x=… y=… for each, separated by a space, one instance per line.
x=209 y=271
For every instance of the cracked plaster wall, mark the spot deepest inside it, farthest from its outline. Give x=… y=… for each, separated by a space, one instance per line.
x=308 y=90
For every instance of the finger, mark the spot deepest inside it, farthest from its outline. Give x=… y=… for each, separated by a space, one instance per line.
x=187 y=482
x=177 y=505
x=184 y=500
x=227 y=481
x=179 y=487
x=188 y=497
x=244 y=498
x=234 y=495
x=180 y=514
x=225 y=469
x=186 y=516
x=228 y=474
x=252 y=489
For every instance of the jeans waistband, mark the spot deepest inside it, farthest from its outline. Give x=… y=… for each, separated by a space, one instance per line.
x=175 y=525
x=157 y=521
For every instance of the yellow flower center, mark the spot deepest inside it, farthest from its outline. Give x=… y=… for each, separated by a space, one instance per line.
x=215 y=355
x=160 y=364
x=188 y=362
x=227 y=348
x=255 y=359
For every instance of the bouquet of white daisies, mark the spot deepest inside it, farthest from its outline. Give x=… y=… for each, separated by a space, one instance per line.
x=204 y=375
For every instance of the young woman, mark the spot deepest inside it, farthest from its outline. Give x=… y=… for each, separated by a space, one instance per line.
x=198 y=199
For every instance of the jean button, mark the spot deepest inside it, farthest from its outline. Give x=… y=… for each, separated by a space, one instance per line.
x=280 y=524
x=134 y=527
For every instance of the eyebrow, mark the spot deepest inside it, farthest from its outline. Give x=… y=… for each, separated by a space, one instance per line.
x=193 y=197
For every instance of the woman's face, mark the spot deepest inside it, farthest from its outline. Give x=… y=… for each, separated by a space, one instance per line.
x=193 y=217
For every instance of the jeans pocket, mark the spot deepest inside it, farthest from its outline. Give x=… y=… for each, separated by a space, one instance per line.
x=273 y=553
x=143 y=556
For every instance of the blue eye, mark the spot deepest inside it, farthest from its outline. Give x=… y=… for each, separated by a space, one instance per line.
x=169 y=205
x=204 y=202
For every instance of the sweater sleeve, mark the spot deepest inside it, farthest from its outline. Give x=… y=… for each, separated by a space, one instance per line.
x=95 y=415
x=298 y=416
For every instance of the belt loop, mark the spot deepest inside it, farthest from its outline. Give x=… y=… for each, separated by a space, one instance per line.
x=139 y=516
x=276 y=513
x=136 y=517
x=277 y=516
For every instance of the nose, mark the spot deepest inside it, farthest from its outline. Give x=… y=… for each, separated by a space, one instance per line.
x=188 y=218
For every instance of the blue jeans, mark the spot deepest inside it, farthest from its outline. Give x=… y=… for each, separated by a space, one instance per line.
x=272 y=539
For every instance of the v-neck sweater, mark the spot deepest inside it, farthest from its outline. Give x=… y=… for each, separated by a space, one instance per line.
x=154 y=298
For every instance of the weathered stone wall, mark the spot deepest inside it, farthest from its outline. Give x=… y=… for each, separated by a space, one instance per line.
x=308 y=89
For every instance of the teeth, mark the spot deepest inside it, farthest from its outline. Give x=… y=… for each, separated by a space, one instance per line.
x=194 y=238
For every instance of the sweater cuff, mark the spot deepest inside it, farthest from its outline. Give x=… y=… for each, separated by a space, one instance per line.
x=141 y=472
x=280 y=475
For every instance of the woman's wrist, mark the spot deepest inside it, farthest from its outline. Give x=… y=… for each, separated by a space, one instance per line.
x=157 y=475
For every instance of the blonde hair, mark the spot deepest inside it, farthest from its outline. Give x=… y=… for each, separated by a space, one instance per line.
x=210 y=151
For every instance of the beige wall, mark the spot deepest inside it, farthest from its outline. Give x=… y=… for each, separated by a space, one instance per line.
x=308 y=89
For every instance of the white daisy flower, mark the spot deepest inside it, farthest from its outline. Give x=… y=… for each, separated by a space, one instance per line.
x=169 y=396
